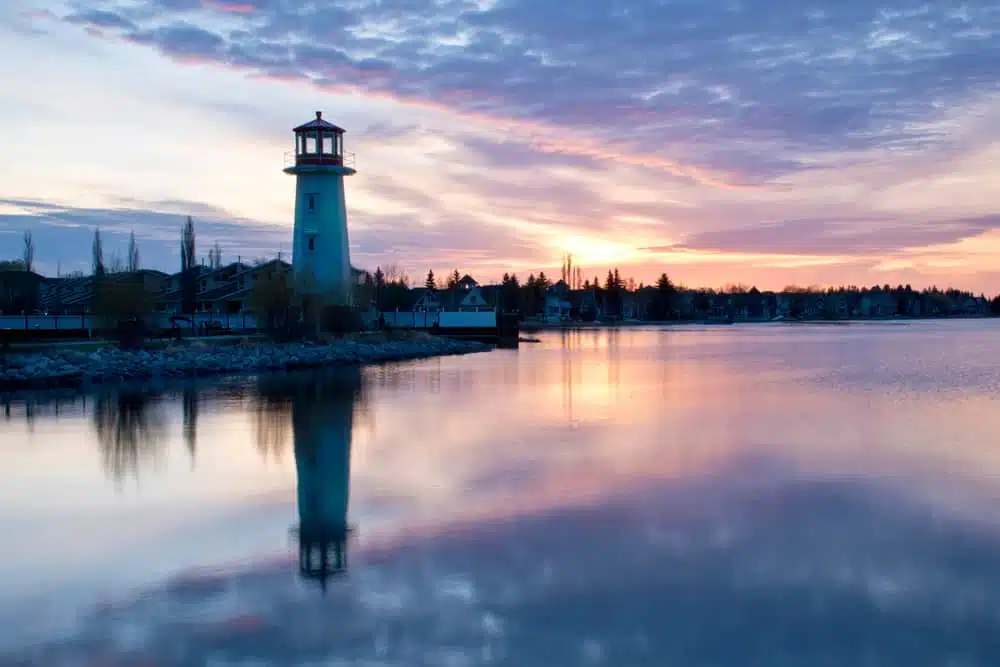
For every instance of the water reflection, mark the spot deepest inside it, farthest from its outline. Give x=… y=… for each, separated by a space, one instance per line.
x=321 y=409
x=189 y=411
x=757 y=497
x=271 y=409
x=322 y=418
x=130 y=430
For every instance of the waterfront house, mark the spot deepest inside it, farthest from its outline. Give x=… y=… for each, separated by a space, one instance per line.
x=557 y=305
x=465 y=298
x=20 y=291
x=587 y=304
x=878 y=303
x=220 y=291
x=426 y=300
x=75 y=294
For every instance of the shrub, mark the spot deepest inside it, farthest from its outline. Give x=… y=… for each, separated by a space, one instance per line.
x=341 y=320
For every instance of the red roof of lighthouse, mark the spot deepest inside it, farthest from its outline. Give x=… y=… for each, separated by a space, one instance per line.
x=318 y=124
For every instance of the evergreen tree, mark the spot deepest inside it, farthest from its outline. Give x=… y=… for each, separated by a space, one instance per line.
x=189 y=277
x=663 y=301
x=453 y=279
x=29 y=252
x=430 y=283
x=97 y=255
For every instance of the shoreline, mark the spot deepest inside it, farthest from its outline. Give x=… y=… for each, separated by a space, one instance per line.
x=65 y=368
x=531 y=327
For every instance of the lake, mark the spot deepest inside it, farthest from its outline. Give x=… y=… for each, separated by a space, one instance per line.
x=769 y=495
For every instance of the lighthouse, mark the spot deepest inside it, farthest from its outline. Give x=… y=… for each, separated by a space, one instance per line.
x=322 y=423
x=321 y=262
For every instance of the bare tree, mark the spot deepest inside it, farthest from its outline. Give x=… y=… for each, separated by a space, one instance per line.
x=97 y=255
x=130 y=432
x=116 y=265
x=393 y=273
x=271 y=300
x=29 y=252
x=215 y=257
x=133 y=254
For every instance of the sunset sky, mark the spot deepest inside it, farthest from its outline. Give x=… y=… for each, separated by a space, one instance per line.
x=765 y=142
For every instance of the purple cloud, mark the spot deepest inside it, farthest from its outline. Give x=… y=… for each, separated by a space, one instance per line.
x=676 y=80
x=834 y=236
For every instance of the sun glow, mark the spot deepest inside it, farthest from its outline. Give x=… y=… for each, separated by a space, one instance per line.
x=592 y=250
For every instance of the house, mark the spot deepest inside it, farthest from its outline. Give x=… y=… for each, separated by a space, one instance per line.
x=878 y=303
x=783 y=304
x=171 y=293
x=588 y=304
x=750 y=305
x=685 y=304
x=719 y=306
x=67 y=294
x=75 y=294
x=20 y=291
x=629 y=306
x=234 y=295
x=220 y=291
x=466 y=283
x=465 y=298
x=975 y=306
x=426 y=300
x=557 y=306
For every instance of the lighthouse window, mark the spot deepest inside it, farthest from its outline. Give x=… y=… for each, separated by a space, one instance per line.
x=312 y=243
x=312 y=202
x=311 y=144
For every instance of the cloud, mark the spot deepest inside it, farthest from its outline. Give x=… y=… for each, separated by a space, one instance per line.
x=806 y=76
x=674 y=86
x=97 y=18
x=63 y=234
x=641 y=132
x=182 y=41
x=677 y=561
x=874 y=236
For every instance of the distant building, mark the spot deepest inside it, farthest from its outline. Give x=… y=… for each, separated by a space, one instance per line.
x=426 y=300
x=557 y=306
x=20 y=291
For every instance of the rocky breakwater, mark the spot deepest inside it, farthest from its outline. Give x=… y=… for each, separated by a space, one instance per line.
x=62 y=368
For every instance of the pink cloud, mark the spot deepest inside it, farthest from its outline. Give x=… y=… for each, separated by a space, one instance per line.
x=39 y=15
x=229 y=7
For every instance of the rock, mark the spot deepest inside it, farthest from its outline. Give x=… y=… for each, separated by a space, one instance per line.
x=72 y=368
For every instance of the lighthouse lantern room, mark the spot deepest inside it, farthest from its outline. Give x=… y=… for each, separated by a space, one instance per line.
x=320 y=247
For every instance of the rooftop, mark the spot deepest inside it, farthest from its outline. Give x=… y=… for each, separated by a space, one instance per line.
x=319 y=124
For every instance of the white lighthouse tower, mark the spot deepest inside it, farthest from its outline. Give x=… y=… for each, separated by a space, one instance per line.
x=321 y=262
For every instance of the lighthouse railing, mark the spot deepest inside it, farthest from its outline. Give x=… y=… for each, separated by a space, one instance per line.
x=292 y=158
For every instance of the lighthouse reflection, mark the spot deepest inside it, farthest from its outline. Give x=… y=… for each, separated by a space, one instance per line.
x=323 y=410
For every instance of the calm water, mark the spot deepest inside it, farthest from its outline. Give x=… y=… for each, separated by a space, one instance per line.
x=753 y=496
